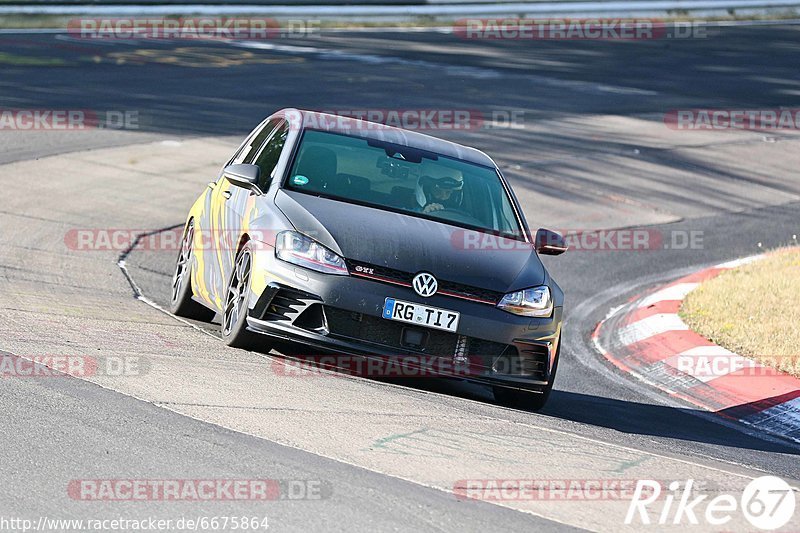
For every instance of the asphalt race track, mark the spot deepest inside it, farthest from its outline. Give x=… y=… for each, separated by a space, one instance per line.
x=588 y=147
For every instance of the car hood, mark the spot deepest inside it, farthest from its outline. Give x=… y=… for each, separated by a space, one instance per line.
x=411 y=244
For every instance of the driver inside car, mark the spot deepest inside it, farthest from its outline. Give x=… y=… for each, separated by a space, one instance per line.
x=441 y=188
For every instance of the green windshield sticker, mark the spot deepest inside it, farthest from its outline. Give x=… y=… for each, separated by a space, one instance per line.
x=300 y=180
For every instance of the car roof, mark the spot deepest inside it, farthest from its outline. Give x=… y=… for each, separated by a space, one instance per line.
x=373 y=130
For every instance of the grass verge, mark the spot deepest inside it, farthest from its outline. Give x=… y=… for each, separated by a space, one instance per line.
x=753 y=310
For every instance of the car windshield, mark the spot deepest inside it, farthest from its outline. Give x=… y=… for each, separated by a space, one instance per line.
x=400 y=178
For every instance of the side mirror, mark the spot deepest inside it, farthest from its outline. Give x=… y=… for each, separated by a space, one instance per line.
x=245 y=176
x=549 y=242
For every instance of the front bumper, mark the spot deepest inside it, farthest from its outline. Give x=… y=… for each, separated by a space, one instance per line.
x=343 y=314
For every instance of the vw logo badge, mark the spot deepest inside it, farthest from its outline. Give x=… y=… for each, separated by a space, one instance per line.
x=425 y=284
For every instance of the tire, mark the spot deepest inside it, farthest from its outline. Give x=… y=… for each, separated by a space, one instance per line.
x=234 y=311
x=181 y=302
x=529 y=401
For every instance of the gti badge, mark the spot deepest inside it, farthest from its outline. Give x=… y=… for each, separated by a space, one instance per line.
x=425 y=284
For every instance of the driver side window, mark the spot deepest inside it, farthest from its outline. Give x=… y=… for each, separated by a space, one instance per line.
x=268 y=158
x=248 y=152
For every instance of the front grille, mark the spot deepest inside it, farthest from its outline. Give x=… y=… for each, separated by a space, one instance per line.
x=371 y=329
x=391 y=275
x=385 y=332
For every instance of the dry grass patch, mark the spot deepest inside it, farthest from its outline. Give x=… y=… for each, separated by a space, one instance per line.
x=753 y=310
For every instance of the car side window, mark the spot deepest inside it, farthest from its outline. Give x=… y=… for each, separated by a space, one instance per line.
x=268 y=158
x=248 y=152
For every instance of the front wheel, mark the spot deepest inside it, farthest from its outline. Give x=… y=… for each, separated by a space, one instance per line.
x=530 y=401
x=181 y=302
x=234 y=314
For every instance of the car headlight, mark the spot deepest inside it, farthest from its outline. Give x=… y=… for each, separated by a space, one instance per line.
x=529 y=302
x=296 y=248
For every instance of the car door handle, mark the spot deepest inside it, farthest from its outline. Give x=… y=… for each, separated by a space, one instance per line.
x=226 y=194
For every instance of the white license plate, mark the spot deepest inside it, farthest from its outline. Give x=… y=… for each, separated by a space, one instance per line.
x=421 y=315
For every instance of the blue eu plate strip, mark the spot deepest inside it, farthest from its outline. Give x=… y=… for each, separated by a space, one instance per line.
x=388 y=307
